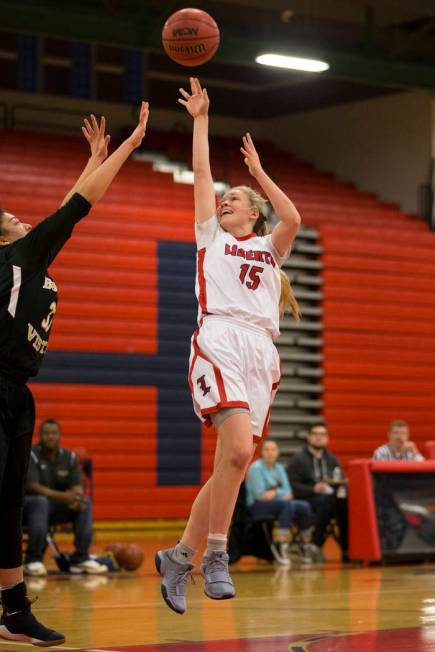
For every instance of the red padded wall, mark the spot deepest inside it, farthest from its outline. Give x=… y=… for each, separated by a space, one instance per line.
x=379 y=337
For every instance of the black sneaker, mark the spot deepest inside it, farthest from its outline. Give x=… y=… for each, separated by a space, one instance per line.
x=23 y=626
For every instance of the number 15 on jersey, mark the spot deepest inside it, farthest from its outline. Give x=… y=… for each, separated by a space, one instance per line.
x=253 y=275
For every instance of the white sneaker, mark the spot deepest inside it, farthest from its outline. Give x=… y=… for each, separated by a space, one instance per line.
x=35 y=569
x=316 y=554
x=281 y=553
x=90 y=566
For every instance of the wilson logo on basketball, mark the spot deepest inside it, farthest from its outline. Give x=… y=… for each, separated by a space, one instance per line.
x=203 y=385
x=187 y=49
x=185 y=31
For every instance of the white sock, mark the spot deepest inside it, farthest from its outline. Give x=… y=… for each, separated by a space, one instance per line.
x=216 y=543
x=183 y=554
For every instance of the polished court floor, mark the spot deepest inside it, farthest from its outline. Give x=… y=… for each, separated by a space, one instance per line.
x=326 y=608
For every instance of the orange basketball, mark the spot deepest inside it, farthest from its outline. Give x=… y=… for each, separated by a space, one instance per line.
x=128 y=555
x=114 y=547
x=190 y=37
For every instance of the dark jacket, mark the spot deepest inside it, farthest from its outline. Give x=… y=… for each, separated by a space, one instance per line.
x=304 y=471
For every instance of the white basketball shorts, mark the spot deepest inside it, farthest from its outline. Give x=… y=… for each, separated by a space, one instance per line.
x=233 y=364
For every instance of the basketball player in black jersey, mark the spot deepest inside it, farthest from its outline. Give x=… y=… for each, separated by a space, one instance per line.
x=28 y=304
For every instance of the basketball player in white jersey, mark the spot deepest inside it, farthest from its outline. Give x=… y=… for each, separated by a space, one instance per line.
x=234 y=366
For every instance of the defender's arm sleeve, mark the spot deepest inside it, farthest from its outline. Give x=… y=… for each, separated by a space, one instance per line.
x=49 y=236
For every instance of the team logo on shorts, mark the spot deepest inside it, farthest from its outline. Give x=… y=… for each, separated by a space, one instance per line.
x=203 y=385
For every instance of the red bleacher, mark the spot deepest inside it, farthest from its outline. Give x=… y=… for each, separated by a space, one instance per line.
x=379 y=306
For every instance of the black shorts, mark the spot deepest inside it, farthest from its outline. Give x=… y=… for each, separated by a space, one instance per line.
x=17 y=421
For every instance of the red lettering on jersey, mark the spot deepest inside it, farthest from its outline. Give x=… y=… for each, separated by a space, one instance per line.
x=251 y=254
x=230 y=250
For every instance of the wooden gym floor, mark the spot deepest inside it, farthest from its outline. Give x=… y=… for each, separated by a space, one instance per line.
x=330 y=608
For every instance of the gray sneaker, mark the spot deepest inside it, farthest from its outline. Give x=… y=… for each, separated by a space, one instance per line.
x=175 y=577
x=316 y=554
x=306 y=553
x=218 y=583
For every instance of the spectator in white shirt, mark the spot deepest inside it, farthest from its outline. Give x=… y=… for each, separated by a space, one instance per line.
x=399 y=447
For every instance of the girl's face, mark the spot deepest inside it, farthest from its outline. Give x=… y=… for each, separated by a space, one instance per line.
x=234 y=211
x=270 y=452
x=12 y=229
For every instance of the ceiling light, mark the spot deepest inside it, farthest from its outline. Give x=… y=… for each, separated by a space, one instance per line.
x=294 y=63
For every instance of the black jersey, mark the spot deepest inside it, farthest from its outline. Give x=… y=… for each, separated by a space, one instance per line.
x=28 y=295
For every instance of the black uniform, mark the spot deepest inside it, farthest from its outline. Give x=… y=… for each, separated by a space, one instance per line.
x=28 y=304
x=59 y=474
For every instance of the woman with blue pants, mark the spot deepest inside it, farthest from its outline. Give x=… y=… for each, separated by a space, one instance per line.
x=269 y=495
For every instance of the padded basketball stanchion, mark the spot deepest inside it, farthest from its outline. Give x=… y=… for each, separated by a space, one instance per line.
x=364 y=542
x=430 y=450
x=377 y=530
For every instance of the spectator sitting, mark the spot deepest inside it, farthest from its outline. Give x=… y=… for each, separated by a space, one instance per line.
x=55 y=495
x=399 y=448
x=311 y=472
x=268 y=494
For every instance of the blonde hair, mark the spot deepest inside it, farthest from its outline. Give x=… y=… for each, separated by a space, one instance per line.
x=287 y=299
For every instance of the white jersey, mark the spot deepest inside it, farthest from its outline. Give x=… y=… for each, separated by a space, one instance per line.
x=238 y=277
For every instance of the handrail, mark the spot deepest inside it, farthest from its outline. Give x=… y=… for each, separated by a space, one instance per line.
x=4 y=107
x=432 y=195
x=15 y=122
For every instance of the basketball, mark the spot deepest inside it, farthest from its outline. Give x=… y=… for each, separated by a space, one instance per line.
x=190 y=37
x=128 y=555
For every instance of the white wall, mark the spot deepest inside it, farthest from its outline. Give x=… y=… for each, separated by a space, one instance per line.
x=383 y=145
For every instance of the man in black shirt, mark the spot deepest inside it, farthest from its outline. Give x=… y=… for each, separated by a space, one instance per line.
x=28 y=304
x=55 y=495
x=313 y=474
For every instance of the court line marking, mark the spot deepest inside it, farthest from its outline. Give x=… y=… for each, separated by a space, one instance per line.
x=4 y=641
x=199 y=601
x=99 y=649
x=64 y=647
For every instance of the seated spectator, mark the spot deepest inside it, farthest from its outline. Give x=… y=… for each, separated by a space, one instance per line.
x=55 y=495
x=311 y=473
x=268 y=494
x=399 y=448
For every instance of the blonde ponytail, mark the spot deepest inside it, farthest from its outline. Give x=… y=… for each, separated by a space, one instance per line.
x=287 y=298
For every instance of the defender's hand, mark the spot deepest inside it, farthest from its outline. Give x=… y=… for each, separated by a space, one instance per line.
x=138 y=134
x=94 y=134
